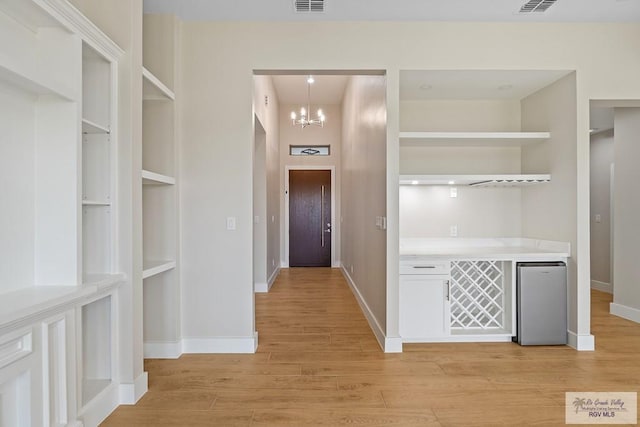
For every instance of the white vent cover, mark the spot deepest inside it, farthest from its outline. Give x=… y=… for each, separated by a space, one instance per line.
x=309 y=5
x=536 y=6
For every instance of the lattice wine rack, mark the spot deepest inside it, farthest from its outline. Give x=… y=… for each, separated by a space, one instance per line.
x=477 y=295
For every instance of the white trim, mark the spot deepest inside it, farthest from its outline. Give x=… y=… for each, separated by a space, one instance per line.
x=461 y=338
x=581 y=342
x=332 y=169
x=260 y=287
x=265 y=287
x=273 y=278
x=130 y=393
x=75 y=21
x=100 y=407
x=602 y=286
x=625 y=312
x=221 y=344
x=393 y=345
x=162 y=350
x=388 y=345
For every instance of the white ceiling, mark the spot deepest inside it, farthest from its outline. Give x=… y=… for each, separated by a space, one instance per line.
x=326 y=90
x=399 y=10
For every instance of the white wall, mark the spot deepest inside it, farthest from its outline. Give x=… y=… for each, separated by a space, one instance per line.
x=430 y=211
x=550 y=211
x=626 y=240
x=269 y=116
x=601 y=161
x=444 y=115
x=330 y=134
x=219 y=59
x=363 y=185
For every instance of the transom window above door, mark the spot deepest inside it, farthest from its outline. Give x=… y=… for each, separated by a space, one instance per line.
x=309 y=150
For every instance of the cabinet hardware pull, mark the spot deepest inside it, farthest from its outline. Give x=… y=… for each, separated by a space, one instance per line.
x=424 y=266
x=448 y=283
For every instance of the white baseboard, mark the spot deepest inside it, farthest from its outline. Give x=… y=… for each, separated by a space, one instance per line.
x=260 y=288
x=388 y=345
x=131 y=393
x=273 y=278
x=393 y=345
x=162 y=350
x=625 y=312
x=602 y=286
x=459 y=338
x=581 y=342
x=100 y=407
x=220 y=345
x=174 y=349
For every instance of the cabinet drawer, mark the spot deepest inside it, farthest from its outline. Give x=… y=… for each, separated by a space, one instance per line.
x=425 y=267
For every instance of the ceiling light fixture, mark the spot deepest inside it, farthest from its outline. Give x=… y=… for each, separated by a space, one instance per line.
x=305 y=120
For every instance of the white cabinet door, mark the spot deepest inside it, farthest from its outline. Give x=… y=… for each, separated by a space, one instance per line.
x=424 y=306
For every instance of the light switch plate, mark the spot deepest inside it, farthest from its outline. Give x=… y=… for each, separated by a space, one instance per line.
x=231 y=223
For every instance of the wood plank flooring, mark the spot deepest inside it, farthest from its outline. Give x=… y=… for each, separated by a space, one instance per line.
x=319 y=364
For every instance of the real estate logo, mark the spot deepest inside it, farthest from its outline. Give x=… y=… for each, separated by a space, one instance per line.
x=601 y=408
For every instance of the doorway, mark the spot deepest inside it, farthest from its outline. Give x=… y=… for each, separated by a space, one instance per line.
x=310 y=223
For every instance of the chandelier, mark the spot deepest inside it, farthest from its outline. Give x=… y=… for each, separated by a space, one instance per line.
x=305 y=114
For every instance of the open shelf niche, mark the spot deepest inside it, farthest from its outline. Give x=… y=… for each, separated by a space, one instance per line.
x=160 y=185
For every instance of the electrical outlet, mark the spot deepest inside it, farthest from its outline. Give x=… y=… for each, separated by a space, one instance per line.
x=454 y=192
x=453 y=231
x=256 y=219
x=598 y=218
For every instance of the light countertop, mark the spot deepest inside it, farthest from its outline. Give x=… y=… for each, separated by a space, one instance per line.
x=506 y=249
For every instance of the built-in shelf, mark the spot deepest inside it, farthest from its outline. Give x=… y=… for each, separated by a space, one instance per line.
x=514 y=139
x=153 y=88
x=30 y=84
x=89 y=127
x=511 y=180
x=102 y=281
x=152 y=178
x=151 y=268
x=96 y=203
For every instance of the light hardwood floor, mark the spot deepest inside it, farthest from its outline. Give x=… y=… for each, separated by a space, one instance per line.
x=319 y=364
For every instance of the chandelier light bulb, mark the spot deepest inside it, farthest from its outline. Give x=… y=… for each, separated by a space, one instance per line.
x=303 y=112
x=293 y=115
x=310 y=80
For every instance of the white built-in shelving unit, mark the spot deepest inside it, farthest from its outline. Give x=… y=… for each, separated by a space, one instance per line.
x=473 y=139
x=158 y=177
x=161 y=292
x=60 y=273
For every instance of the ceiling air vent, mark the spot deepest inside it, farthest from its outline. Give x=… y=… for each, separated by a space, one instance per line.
x=309 y=5
x=536 y=6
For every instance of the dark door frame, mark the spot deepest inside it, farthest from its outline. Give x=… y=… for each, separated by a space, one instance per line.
x=334 y=228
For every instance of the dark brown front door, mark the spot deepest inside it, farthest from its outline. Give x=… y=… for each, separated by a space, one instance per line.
x=310 y=218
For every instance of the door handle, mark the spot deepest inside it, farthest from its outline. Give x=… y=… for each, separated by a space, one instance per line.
x=322 y=215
